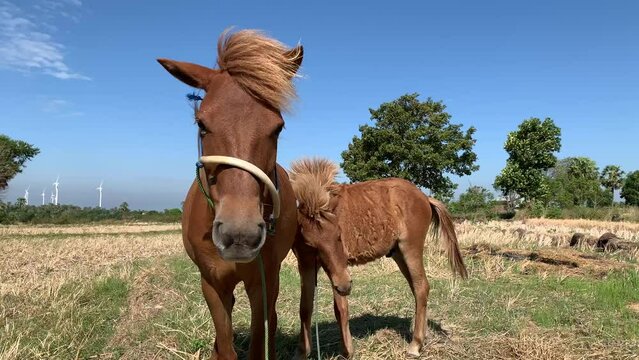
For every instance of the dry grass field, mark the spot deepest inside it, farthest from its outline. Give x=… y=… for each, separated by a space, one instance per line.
x=130 y=292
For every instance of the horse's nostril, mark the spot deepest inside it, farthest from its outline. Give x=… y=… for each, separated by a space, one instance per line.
x=261 y=226
x=220 y=235
x=344 y=290
x=217 y=227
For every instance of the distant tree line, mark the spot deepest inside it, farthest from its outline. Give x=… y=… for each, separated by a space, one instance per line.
x=19 y=212
x=533 y=174
x=415 y=140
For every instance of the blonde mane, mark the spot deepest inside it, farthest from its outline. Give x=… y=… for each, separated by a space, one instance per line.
x=312 y=180
x=262 y=66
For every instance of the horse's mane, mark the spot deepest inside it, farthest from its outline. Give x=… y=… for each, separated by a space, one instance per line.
x=262 y=66
x=312 y=180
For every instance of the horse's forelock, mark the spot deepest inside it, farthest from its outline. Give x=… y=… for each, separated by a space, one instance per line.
x=260 y=65
x=313 y=197
x=313 y=181
x=322 y=169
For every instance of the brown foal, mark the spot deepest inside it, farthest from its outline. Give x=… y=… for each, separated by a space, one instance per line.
x=357 y=223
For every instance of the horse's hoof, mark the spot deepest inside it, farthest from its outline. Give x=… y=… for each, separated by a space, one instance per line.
x=412 y=351
x=300 y=355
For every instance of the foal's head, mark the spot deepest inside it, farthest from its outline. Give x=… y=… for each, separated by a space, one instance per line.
x=312 y=180
x=240 y=116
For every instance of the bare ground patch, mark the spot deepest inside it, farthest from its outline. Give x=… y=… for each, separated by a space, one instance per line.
x=150 y=294
x=45 y=264
x=89 y=229
x=562 y=261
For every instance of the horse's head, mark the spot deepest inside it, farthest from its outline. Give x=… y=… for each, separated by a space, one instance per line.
x=240 y=117
x=323 y=233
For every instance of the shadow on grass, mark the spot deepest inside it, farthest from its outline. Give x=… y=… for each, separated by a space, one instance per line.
x=330 y=340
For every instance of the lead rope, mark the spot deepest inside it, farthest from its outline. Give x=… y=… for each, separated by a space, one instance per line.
x=263 y=277
x=317 y=342
x=198 y=166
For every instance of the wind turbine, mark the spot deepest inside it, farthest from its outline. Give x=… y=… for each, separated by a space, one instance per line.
x=26 y=195
x=52 y=197
x=43 y=196
x=55 y=184
x=99 y=188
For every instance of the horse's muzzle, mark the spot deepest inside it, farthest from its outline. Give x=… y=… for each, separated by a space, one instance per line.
x=239 y=243
x=344 y=290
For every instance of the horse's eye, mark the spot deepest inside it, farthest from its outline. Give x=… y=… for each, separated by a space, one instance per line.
x=278 y=130
x=203 y=130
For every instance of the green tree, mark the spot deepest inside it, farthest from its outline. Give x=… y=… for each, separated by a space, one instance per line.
x=475 y=199
x=413 y=140
x=575 y=182
x=124 y=207
x=531 y=151
x=13 y=155
x=612 y=179
x=630 y=189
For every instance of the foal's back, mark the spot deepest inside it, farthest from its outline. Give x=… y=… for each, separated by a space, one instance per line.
x=374 y=215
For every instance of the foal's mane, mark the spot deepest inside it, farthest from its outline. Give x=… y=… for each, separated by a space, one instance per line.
x=262 y=66
x=312 y=180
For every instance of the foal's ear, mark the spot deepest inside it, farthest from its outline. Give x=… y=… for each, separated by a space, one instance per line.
x=191 y=74
x=297 y=55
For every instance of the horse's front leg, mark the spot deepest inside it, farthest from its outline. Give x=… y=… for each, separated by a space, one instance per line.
x=308 y=276
x=256 y=299
x=340 y=306
x=220 y=303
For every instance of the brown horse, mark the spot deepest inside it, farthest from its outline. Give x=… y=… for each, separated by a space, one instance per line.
x=358 y=223
x=240 y=118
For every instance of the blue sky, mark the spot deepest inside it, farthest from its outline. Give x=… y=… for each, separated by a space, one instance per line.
x=79 y=80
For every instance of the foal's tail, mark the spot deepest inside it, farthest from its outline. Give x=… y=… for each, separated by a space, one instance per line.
x=443 y=222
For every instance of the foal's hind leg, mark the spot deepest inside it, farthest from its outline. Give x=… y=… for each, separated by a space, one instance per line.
x=409 y=260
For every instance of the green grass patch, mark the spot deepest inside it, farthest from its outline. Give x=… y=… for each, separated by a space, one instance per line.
x=597 y=307
x=76 y=322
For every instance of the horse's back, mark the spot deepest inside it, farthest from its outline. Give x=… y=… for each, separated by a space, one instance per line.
x=374 y=215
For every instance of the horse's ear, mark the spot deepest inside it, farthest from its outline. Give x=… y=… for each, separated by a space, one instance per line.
x=297 y=55
x=191 y=74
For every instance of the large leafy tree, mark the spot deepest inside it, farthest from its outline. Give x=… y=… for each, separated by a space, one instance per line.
x=630 y=189
x=531 y=151
x=414 y=140
x=612 y=179
x=13 y=155
x=575 y=182
x=475 y=198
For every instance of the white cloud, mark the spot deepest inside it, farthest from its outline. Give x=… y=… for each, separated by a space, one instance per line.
x=26 y=47
x=54 y=105
x=59 y=108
